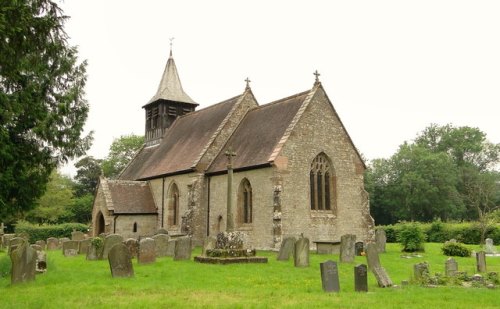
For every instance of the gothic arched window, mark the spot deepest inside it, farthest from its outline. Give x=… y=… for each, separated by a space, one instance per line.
x=245 y=202
x=322 y=183
x=173 y=205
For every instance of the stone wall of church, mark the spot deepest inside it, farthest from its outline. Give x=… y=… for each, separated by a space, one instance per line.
x=100 y=207
x=124 y=225
x=320 y=130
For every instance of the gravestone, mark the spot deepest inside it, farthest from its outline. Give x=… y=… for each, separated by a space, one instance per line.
x=36 y=247
x=63 y=239
x=183 y=248
x=147 y=252
x=359 y=248
x=162 y=231
x=287 y=249
x=380 y=240
x=378 y=271
x=347 y=251
x=41 y=243
x=132 y=246
x=208 y=244
x=52 y=243
x=171 y=247
x=84 y=246
x=481 y=261
x=77 y=235
x=120 y=261
x=6 y=240
x=489 y=248
x=41 y=262
x=450 y=267
x=109 y=242
x=94 y=252
x=329 y=276
x=23 y=263
x=161 y=244
x=14 y=243
x=420 y=271
x=301 y=252
x=70 y=247
x=360 y=278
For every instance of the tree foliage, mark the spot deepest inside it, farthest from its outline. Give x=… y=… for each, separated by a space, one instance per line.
x=121 y=152
x=42 y=106
x=87 y=175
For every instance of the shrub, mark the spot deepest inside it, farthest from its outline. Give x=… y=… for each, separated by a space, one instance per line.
x=437 y=232
x=455 y=249
x=42 y=232
x=411 y=238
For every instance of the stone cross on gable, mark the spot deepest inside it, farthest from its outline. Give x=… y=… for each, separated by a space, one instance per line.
x=230 y=154
x=230 y=219
x=317 y=76
x=248 y=83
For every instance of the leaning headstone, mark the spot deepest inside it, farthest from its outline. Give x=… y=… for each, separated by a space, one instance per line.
x=41 y=261
x=329 y=276
x=183 y=248
x=147 y=252
x=70 y=248
x=378 y=271
x=301 y=252
x=41 y=243
x=347 y=251
x=359 y=248
x=171 y=247
x=84 y=246
x=380 y=240
x=77 y=235
x=208 y=244
x=489 y=248
x=360 y=278
x=120 y=261
x=52 y=243
x=420 y=271
x=287 y=248
x=450 y=267
x=23 y=263
x=15 y=242
x=132 y=246
x=161 y=243
x=481 y=261
x=109 y=242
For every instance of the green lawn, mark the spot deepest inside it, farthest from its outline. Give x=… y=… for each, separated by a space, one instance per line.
x=77 y=283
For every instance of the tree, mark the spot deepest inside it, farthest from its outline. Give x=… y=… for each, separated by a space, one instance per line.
x=87 y=175
x=42 y=106
x=121 y=152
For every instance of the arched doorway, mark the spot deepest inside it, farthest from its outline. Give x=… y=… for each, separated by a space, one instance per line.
x=99 y=224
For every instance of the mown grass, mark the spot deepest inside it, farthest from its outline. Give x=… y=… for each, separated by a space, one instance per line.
x=77 y=283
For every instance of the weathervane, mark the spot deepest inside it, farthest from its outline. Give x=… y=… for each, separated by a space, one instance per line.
x=248 y=83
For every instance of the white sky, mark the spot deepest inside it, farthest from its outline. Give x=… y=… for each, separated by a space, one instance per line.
x=391 y=68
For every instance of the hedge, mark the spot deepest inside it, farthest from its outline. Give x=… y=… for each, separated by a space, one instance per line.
x=467 y=233
x=42 y=232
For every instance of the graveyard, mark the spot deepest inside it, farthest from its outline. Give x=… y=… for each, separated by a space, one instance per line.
x=74 y=281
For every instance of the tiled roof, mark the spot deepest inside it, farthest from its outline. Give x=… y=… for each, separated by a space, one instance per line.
x=131 y=197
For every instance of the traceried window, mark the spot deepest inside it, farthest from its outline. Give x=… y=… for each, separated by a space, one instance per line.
x=245 y=202
x=173 y=205
x=322 y=183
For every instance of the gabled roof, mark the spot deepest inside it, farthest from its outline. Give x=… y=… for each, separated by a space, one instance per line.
x=128 y=197
x=260 y=133
x=170 y=87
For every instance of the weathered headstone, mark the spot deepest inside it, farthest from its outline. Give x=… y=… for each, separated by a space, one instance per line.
x=420 y=271
x=36 y=247
x=360 y=278
x=161 y=243
x=450 y=267
x=378 y=271
x=489 y=248
x=70 y=248
x=162 y=231
x=208 y=244
x=171 y=247
x=347 y=251
x=147 y=252
x=15 y=242
x=481 y=261
x=41 y=261
x=94 y=252
x=301 y=252
x=41 y=243
x=287 y=248
x=84 y=246
x=359 y=248
x=52 y=243
x=329 y=276
x=77 y=235
x=132 y=246
x=6 y=240
x=183 y=248
x=23 y=263
x=120 y=261
x=380 y=240
x=109 y=242
x=63 y=239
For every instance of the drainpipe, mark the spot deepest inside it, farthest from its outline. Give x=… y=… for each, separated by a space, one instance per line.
x=114 y=223
x=162 y=201
x=208 y=207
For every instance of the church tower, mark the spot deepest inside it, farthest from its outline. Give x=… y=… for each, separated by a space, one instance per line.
x=169 y=102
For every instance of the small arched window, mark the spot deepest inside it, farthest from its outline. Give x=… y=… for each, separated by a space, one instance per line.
x=322 y=184
x=245 y=202
x=173 y=205
x=134 y=229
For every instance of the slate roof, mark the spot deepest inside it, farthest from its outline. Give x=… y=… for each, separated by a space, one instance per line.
x=259 y=133
x=131 y=197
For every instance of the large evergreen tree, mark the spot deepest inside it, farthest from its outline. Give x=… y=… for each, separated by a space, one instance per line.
x=42 y=106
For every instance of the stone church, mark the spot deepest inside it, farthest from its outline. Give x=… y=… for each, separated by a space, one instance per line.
x=295 y=171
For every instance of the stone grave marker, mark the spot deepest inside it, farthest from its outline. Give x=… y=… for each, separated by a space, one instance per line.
x=420 y=271
x=287 y=248
x=161 y=243
x=162 y=231
x=41 y=243
x=183 y=248
x=329 y=276
x=147 y=252
x=94 y=252
x=41 y=262
x=77 y=235
x=359 y=248
x=52 y=243
x=6 y=240
x=84 y=246
x=171 y=247
x=481 y=261
x=109 y=242
x=301 y=252
x=450 y=267
x=380 y=240
x=360 y=278
x=347 y=251
x=132 y=246
x=63 y=239
x=378 y=271
x=14 y=243
x=489 y=248
x=70 y=247
x=120 y=261
x=36 y=247
x=23 y=263
x=208 y=244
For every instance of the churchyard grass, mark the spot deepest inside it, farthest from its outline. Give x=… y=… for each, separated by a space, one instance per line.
x=73 y=282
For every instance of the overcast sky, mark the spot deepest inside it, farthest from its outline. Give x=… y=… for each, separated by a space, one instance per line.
x=391 y=68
